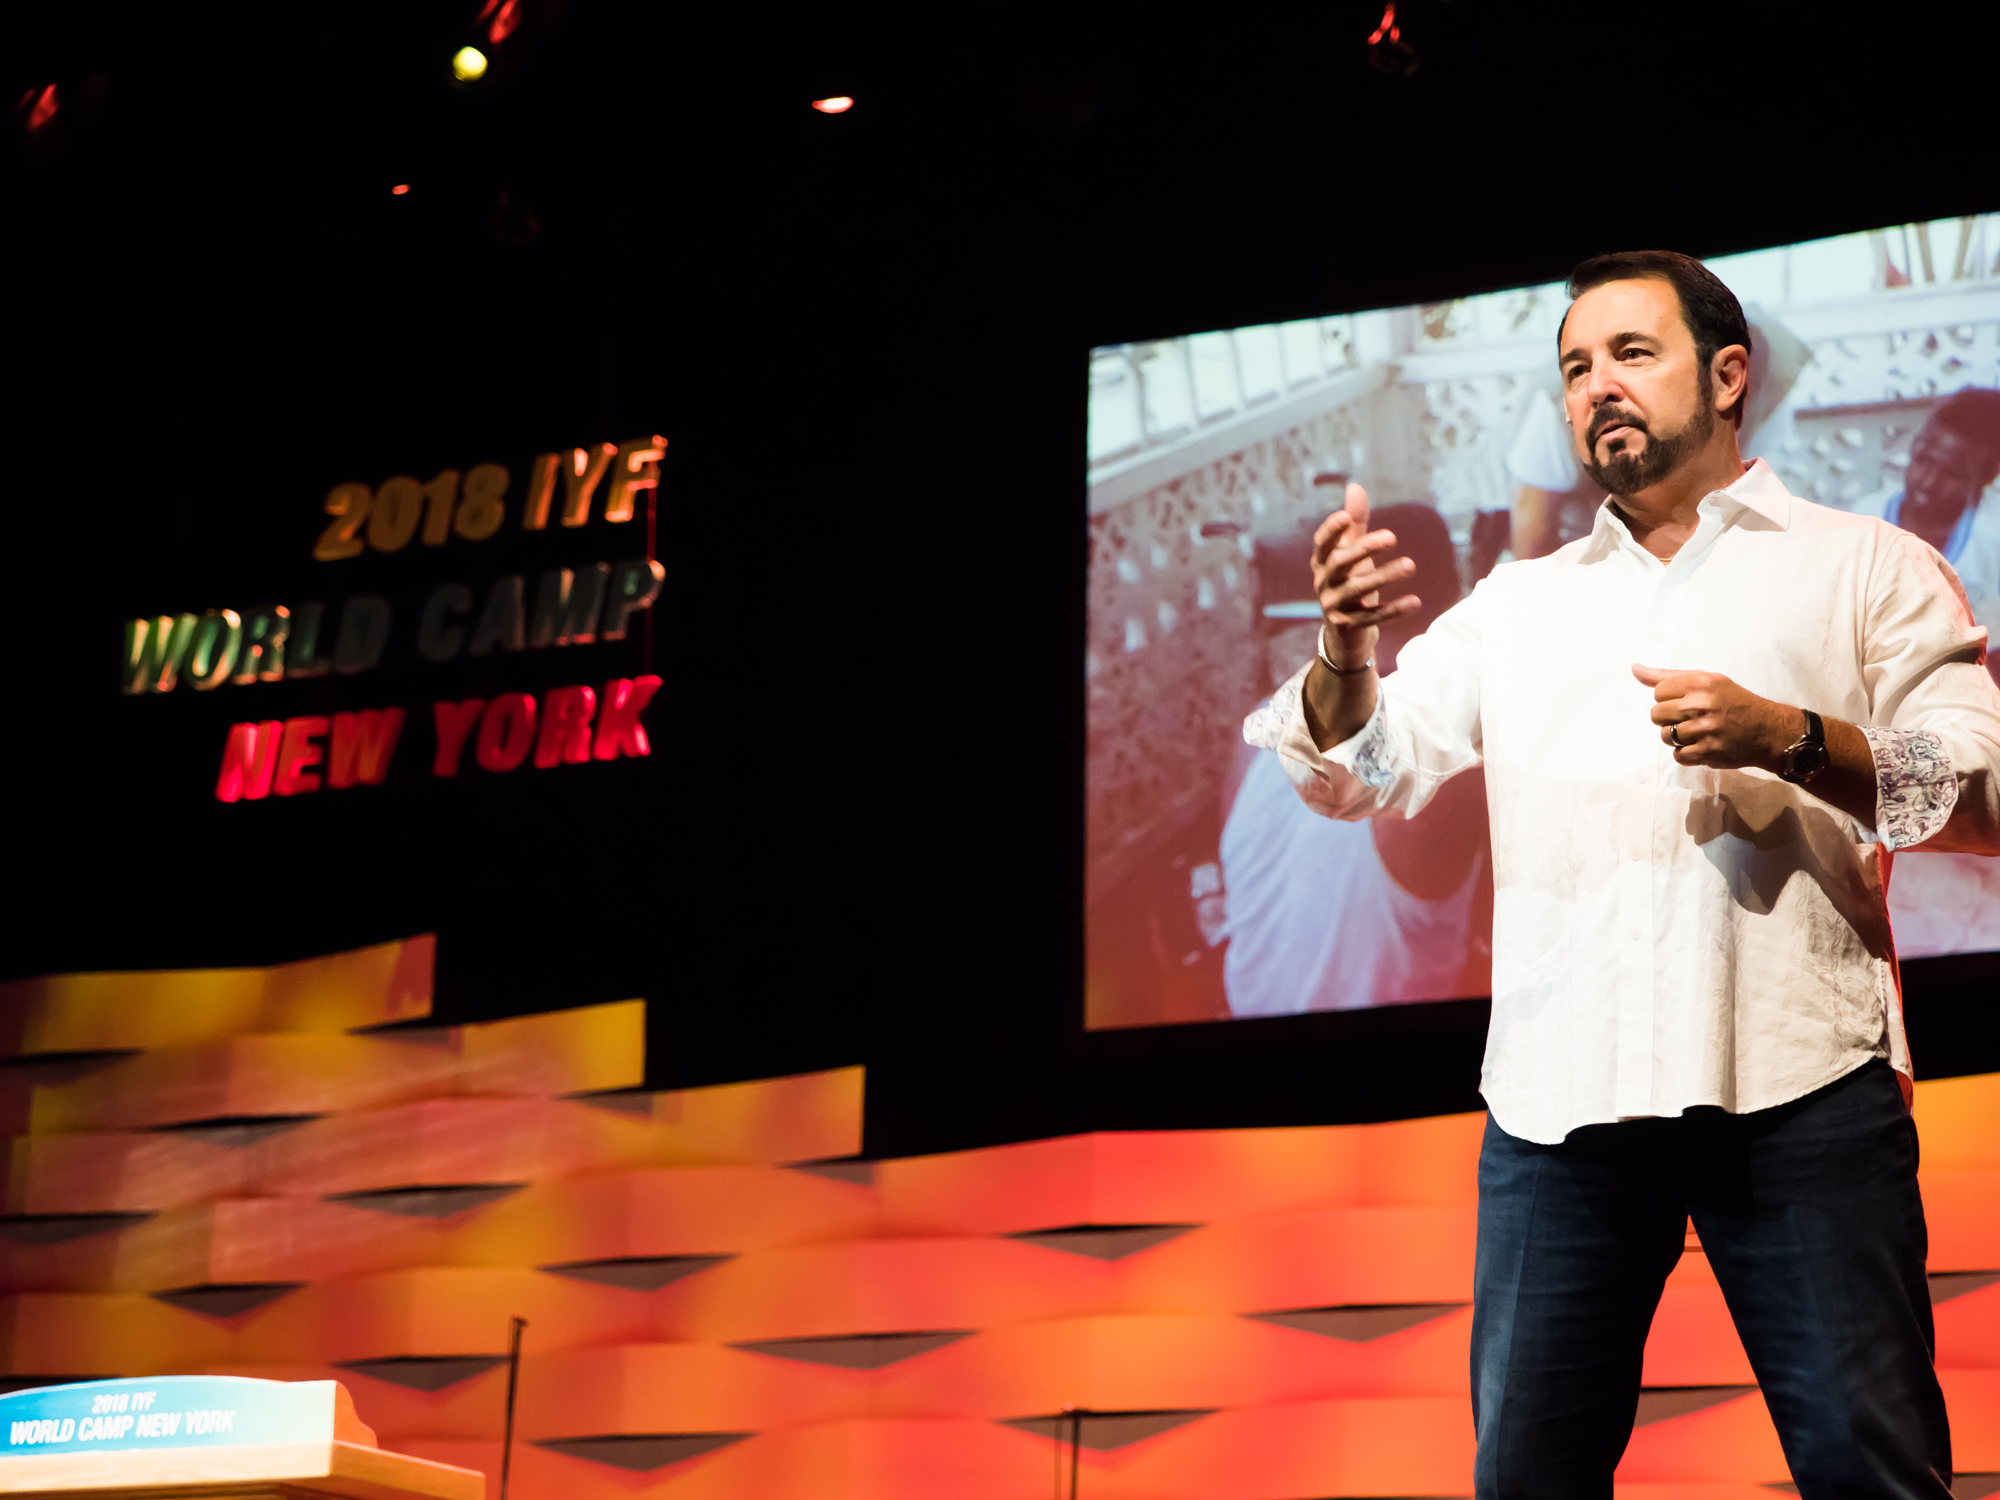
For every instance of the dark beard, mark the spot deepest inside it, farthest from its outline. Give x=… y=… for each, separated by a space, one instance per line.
x=1625 y=474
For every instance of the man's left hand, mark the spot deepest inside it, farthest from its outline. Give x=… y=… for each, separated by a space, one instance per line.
x=1707 y=720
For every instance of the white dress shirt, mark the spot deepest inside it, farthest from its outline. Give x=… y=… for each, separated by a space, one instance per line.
x=1973 y=551
x=1668 y=936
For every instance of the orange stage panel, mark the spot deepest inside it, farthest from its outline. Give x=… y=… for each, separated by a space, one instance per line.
x=439 y=1312
x=1972 y=1397
x=1310 y=1258
x=706 y=1321
x=1732 y=1441
x=1968 y=1330
x=1723 y=1490
x=1956 y=1118
x=1139 y=1178
x=642 y=1388
x=880 y=1286
x=1432 y=1163
x=1693 y=1340
x=1962 y=1212
x=1169 y=1362
x=1415 y=1446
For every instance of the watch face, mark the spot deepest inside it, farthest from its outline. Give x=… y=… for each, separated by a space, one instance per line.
x=1807 y=760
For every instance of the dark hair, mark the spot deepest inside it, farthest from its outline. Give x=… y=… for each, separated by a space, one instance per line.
x=1974 y=415
x=1710 y=309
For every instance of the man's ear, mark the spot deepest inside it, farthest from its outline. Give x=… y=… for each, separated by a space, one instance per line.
x=1730 y=372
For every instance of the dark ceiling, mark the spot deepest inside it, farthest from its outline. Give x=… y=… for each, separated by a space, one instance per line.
x=858 y=838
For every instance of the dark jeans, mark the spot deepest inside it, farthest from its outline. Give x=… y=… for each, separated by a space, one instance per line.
x=1810 y=1216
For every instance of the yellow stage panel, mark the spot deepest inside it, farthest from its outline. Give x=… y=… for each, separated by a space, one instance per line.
x=163 y=1007
x=123 y=1172
x=280 y=1074
x=230 y=1242
x=562 y=1052
x=806 y=1117
x=663 y=1212
x=453 y=1140
x=86 y=1336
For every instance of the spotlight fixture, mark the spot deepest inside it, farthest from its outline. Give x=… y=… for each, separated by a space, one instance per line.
x=1387 y=51
x=467 y=64
x=506 y=16
x=839 y=104
x=44 y=106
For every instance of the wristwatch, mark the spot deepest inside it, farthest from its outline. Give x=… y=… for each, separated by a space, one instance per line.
x=1806 y=757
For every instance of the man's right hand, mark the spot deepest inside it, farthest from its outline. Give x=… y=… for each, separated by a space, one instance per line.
x=1348 y=578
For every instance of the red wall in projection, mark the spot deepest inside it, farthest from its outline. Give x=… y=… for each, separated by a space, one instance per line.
x=228 y=1171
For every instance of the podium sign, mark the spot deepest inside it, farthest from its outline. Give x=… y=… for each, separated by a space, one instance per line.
x=167 y=1411
x=203 y=1437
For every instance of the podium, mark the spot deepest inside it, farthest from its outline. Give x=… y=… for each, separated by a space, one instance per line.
x=193 y=1437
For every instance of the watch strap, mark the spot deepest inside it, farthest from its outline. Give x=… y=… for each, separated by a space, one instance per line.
x=1811 y=746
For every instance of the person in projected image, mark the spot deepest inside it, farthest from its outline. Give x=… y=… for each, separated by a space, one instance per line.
x=1950 y=903
x=1948 y=497
x=1706 y=729
x=1324 y=915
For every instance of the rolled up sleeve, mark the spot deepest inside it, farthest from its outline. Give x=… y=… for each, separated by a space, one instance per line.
x=1424 y=731
x=1936 y=731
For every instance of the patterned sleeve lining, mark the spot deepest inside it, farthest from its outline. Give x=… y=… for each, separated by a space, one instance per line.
x=1368 y=751
x=1269 y=720
x=1915 y=785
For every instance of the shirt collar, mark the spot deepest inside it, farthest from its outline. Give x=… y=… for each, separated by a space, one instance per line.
x=1759 y=491
x=1762 y=491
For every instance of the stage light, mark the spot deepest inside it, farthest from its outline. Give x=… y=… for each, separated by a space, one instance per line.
x=839 y=104
x=508 y=17
x=400 y=188
x=468 y=63
x=1387 y=51
x=44 y=107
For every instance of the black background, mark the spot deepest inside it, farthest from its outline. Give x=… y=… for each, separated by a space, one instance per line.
x=859 y=836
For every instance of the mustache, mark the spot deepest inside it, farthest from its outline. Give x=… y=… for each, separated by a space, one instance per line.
x=1607 y=418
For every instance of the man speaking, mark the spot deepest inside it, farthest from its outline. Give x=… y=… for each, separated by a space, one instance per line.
x=1705 y=727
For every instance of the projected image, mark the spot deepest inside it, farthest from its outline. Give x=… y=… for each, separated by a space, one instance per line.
x=1213 y=892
